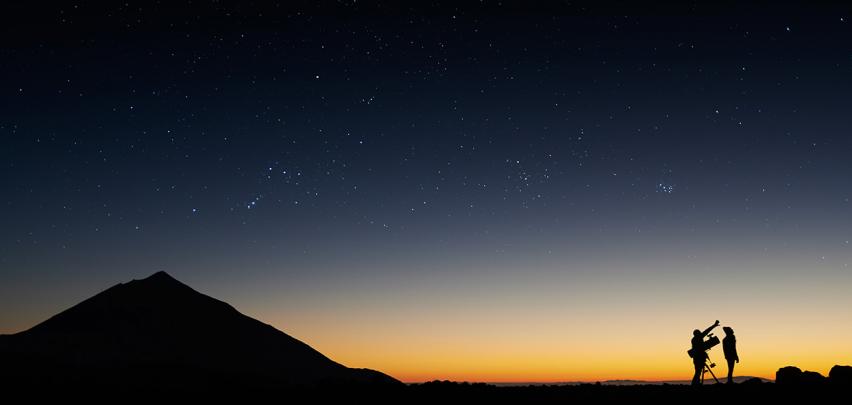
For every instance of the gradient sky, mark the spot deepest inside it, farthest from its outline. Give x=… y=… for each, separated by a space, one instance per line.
x=453 y=191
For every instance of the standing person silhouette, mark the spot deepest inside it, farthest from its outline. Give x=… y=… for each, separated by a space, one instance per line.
x=699 y=356
x=729 y=346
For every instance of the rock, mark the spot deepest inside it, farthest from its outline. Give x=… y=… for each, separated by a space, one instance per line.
x=788 y=376
x=840 y=375
x=812 y=378
x=794 y=376
x=752 y=381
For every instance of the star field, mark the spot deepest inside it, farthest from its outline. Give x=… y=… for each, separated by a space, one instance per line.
x=383 y=124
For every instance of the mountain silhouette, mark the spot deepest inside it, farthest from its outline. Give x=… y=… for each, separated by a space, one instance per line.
x=159 y=332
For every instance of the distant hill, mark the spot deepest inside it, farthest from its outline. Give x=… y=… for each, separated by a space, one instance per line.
x=708 y=381
x=739 y=379
x=158 y=333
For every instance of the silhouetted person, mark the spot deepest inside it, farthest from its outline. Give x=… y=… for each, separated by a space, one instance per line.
x=699 y=356
x=729 y=346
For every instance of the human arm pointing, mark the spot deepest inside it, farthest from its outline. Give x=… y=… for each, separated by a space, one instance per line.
x=706 y=331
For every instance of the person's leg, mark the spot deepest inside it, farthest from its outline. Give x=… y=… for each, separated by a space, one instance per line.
x=696 y=378
x=730 y=371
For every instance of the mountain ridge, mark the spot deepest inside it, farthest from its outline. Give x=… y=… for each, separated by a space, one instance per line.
x=158 y=328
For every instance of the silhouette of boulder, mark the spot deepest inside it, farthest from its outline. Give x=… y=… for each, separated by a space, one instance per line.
x=812 y=378
x=752 y=381
x=841 y=375
x=789 y=375
x=159 y=332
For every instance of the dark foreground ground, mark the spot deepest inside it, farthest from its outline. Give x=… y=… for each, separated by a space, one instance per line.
x=601 y=393
x=446 y=392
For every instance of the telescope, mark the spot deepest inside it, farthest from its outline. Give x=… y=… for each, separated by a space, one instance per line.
x=707 y=345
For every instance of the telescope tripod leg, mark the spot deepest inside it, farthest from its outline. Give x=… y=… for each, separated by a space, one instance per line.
x=710 y=370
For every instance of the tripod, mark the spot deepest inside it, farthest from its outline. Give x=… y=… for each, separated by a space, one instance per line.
x=708 y=368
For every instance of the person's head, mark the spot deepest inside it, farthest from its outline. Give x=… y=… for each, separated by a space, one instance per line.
x=696 y=333
x=728 y=330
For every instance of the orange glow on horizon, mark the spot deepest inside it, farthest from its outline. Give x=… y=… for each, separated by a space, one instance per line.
x=587 y=334
x=555 y=330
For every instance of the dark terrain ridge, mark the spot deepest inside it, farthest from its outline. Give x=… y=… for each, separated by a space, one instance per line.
x=159 y=334
x=157 y=337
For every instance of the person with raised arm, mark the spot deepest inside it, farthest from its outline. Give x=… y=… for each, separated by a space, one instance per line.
x=699 y=356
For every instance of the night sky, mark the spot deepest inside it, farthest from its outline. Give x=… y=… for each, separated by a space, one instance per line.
x=461 y=190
